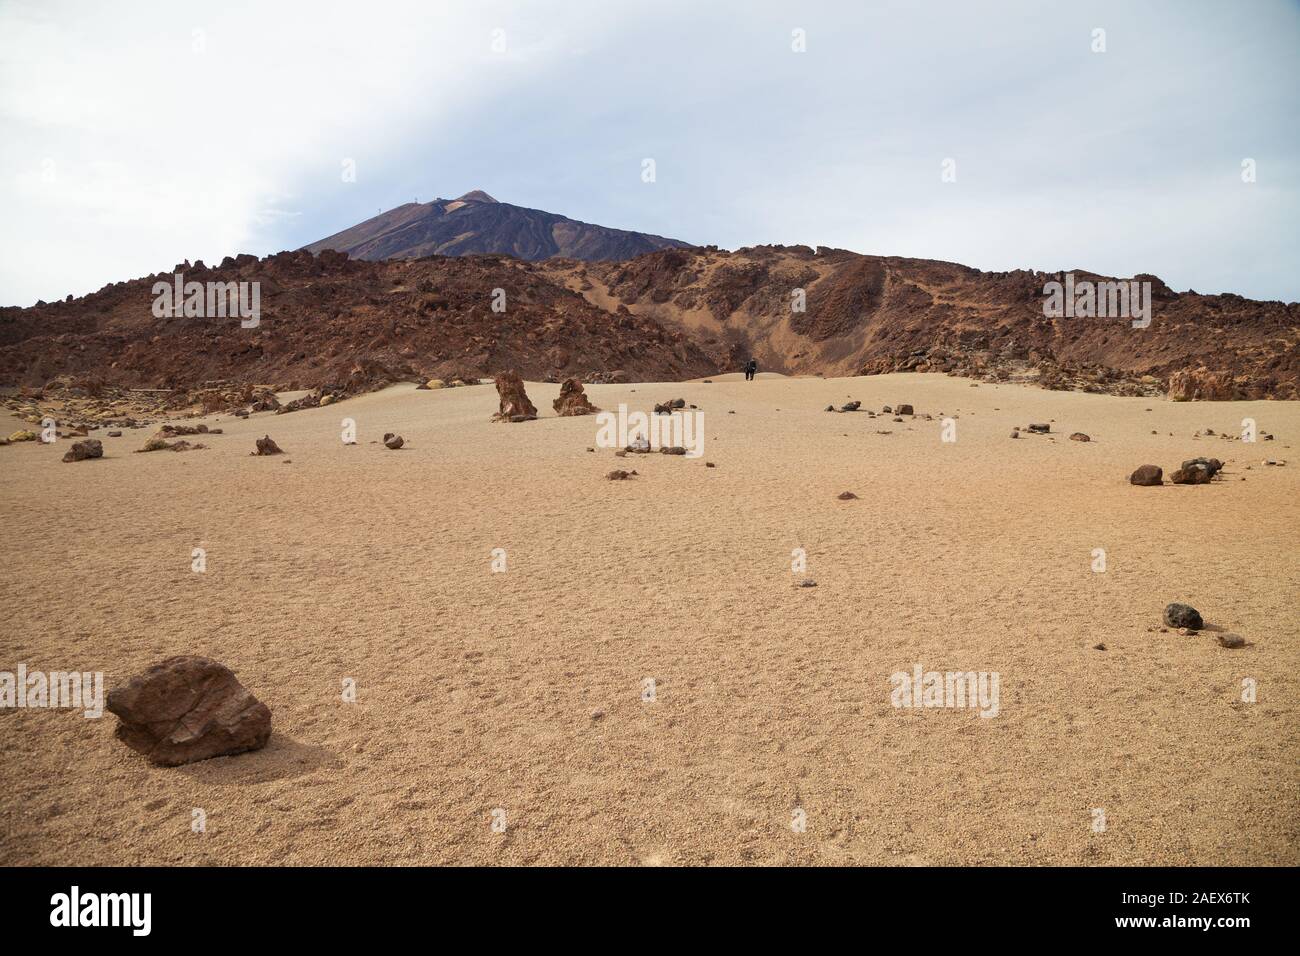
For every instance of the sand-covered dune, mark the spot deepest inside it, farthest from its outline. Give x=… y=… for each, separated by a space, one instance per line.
x=524 y=691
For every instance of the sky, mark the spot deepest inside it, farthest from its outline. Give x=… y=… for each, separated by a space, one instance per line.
x=137 y=135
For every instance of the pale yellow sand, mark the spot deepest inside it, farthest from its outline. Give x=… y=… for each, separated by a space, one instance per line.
x=476 y=689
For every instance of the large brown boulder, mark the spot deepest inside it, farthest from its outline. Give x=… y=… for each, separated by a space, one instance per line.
x=1147 y=475
x=515 y=406
x=1191 y=475
x=90 y=448
x=573 y=401
x=186 y=709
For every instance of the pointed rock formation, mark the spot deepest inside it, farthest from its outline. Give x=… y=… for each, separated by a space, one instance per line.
x=515 y=406
x=573 y=401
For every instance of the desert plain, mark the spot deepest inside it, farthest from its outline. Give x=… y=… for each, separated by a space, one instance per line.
x=502 y=717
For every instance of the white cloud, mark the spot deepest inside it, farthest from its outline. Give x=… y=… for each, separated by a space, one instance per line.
x=137 y=135
x=1123 y=162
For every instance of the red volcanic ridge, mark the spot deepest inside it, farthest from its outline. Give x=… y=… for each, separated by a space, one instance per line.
x=328 y=319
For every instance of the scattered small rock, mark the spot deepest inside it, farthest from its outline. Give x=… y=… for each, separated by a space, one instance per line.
x=847 y=496
x=162 y=444
x=393 y=441
x=1183 y=615
x=82 y=450
x=1079 y=436
x=1231 y=640
x=618 y=474
x=267 y=446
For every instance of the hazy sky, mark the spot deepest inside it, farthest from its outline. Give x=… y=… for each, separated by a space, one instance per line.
x=134 y=135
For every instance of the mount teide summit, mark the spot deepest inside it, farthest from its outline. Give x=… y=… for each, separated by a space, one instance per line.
x=477 y=223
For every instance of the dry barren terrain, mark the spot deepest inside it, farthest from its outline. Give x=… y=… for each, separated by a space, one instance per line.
x=523 y=691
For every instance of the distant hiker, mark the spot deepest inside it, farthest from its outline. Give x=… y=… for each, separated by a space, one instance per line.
x=751 y=369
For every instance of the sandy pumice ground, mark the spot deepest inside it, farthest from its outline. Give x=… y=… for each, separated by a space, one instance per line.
x=476 y=690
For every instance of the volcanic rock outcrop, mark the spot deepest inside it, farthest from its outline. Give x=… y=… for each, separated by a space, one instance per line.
x=514 y=403
x=339 y=326
x=877 y=314
x=573 y=401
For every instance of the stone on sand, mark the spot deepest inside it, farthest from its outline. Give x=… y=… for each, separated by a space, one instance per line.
x=188 y=708
x=1212 y=465
x=514 y=404
x=1147 y=475
x=573 y=401
x=90 y=448
x=1183 y=615
x=1195 y=475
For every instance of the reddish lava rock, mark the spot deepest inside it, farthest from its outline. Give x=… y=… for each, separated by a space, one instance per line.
x=515 y=406
x=573 y=401
x=188 y=708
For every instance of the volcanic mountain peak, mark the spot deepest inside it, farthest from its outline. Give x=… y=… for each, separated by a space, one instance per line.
x=477 y=223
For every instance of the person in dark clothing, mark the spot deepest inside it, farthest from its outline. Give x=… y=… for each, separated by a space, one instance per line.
x=751 y=369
